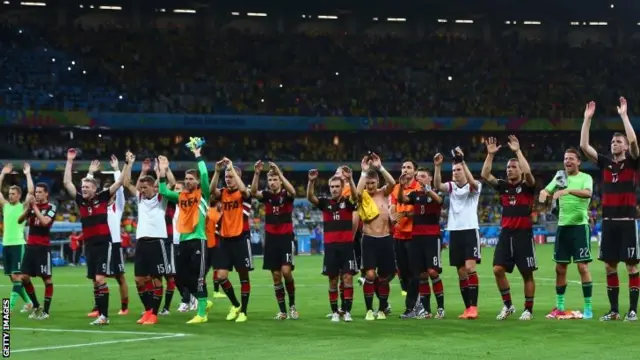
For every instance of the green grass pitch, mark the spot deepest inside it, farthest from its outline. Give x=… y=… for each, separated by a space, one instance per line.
x=68 y=335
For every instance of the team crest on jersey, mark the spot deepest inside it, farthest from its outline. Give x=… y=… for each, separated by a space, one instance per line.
x=342 y=205
x=429 y=199
x=90 y=210
x=518 y=190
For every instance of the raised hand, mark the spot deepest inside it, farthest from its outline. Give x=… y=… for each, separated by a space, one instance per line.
x=7 y=169
x=346 y=172
x=376 y=162
x=221 y=165
x=274 y=167
x=146 y=165
x=513 y=143
x=438 y=159
x=113 y=161
x=365 y=163
x=227 y=163
x=163 y=162
x=71 y=154
x=94 y=166
x=590 y=109
x=313 y=175
x=258 y=166
x=622 y=109
x=30 y=199
x=458 y=151
x=492 y=145
x=26 y=168
x=130 y=157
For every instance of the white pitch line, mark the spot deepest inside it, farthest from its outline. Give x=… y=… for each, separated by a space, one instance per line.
x=99 y=331
x=44 y=348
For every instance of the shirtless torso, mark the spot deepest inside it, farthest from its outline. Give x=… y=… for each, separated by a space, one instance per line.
x=379 y=226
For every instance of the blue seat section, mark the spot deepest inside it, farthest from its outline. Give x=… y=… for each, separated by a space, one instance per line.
x=33 y=75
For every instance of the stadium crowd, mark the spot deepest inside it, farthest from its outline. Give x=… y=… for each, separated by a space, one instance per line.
x=116 y=69
x=247 y=146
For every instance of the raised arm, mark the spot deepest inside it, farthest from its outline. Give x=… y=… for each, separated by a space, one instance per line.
x=365 y=165
x=347 y=173
x=437 y=173
x=400 y=195
x=285 y=183
x=67 y=179
x=117 y=183
x=145 y=168
x=119 y=175
x=514 y=145
x=7 y=169
x=126 y=180
x=171 y=179
x=390 y=182
x=241 y=186
x=213 y=187
x=634 y=150
x=28 y=203
x=311 y=195
x=255 y=183
x=492 y=149
x=204 y=173
x=27 y=172
x=588 y=150
x=473 y=184
x=163 y=189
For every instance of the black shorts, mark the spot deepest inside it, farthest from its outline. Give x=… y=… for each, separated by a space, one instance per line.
x=191 y=262
x=402 y=251
x=151 y=258
x=339 y=258
x=211 y=255
x=464 y=245
x=424 y=254
x=278 y=251
x=171 y=250
x=234 y=253
x=37 y=261
x=516 y=247
x=357 y=245
x=378 y=254
x=98 y=256
x=116 y=261
x=619 y=242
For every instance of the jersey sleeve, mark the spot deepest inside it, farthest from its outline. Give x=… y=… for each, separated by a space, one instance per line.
x=322 y=203
x=204 y=178
x=413 y=196
x=351 y=204
x=603 y=161
x=79 y=199
x=588 y=182
x=551 y=187
x=500 y=186
x=51 y=212
x=266 y=196
x=104 y=195
x=163 y=189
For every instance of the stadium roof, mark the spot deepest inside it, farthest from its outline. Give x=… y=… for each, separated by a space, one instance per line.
x=589 y=10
